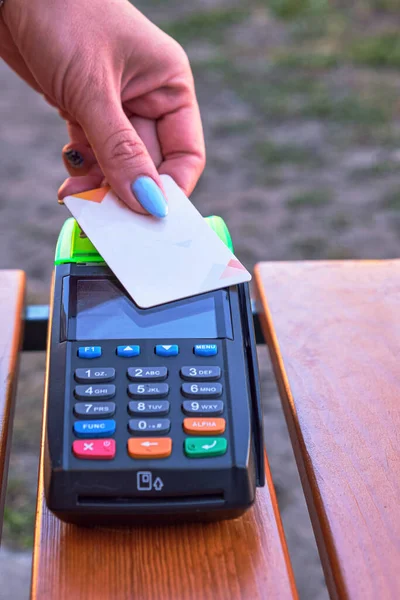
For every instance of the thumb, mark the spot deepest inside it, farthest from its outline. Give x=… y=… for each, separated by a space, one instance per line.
x=123 y=157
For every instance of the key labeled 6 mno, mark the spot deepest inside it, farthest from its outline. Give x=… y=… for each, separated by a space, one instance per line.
x=201 y=390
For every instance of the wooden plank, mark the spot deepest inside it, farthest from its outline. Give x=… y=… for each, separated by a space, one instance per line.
x=333 y=329
x=12 y=293
x=242 y=558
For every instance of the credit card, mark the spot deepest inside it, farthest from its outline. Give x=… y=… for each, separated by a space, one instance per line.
x=157 y=260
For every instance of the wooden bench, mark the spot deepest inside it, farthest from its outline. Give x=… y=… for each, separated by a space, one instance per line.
x=12 y=294
x=333 y=329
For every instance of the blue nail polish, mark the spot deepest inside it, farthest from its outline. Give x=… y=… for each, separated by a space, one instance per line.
x=149 y=195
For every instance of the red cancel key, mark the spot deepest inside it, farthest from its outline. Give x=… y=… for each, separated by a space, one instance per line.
x=94 y=449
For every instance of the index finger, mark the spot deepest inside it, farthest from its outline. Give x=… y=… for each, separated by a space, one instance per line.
x=182 y=145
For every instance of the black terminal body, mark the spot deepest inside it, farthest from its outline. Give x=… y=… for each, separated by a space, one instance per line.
x=190 y=363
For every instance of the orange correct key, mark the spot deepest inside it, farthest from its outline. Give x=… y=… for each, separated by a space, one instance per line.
x=149 y=447
x=201 y=426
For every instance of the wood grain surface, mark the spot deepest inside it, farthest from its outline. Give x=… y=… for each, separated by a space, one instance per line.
x=244 y=558
x=333 y=329
x=12 y=292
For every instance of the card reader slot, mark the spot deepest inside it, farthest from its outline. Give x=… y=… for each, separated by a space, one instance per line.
x=142 y=502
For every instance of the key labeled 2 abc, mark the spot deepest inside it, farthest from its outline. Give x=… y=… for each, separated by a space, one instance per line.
x=147 y=373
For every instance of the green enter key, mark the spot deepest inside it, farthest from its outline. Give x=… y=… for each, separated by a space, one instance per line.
x=205 y=446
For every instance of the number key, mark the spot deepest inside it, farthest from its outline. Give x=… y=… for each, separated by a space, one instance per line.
x=208 y=373
x=149 y=409
x=144 y=426
x=104 y=392
x=148 y=390
x=94 y=409
x=94 y=375
x=147 y=373
x=201 y=390
x=194 y=408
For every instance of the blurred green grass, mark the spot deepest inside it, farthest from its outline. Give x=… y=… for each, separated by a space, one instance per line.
x=19 y=514
x=208 y=25
x=310 y=199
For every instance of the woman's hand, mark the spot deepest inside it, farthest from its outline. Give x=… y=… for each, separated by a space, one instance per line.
x=124 y=87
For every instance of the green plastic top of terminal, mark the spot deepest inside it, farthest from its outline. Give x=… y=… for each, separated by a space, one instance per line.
x=74 y=247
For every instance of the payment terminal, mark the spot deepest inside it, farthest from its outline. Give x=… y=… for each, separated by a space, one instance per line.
x=150 y=414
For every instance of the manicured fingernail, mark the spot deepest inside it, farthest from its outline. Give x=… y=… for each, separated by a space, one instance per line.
x=149 y=195
x=74 y=158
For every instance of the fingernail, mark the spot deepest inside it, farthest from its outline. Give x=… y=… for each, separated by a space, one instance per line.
x=149 y=195
x=74 y=158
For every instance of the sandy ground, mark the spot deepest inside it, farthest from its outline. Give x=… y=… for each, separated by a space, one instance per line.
x=291 y=182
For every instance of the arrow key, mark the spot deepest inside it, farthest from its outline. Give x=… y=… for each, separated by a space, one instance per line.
x=149 y=447
x=167 y=350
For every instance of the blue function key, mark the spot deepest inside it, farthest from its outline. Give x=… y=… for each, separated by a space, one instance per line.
x=167 y=350
x=89 y=351
x=205 y=349
x=128 y=351
x=94 y=429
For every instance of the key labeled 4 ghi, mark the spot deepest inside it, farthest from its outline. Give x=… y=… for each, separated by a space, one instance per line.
x=102 y=392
